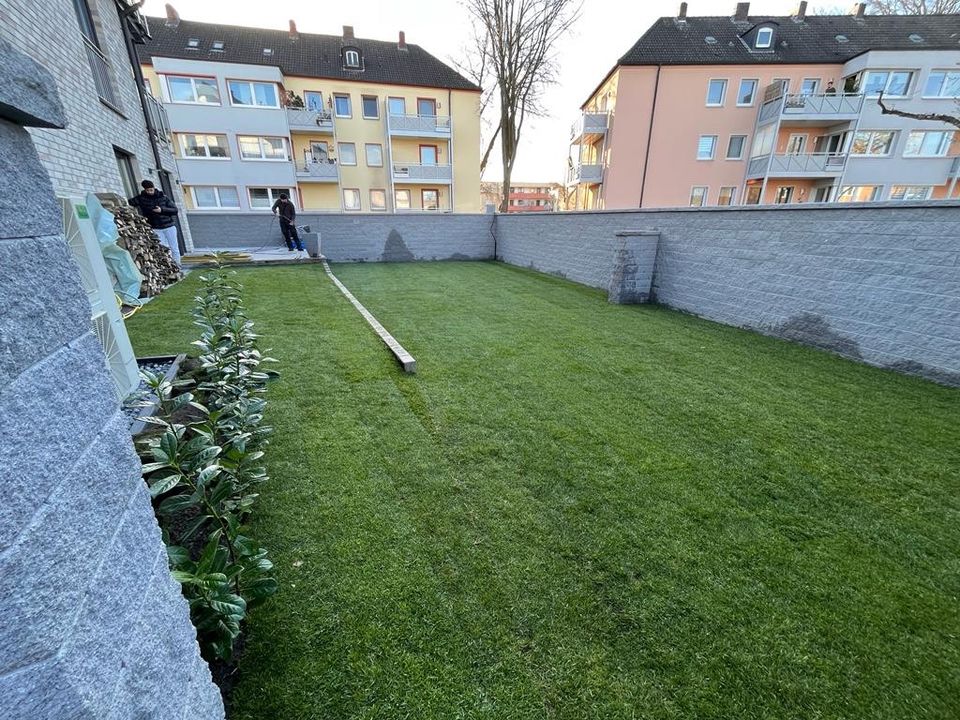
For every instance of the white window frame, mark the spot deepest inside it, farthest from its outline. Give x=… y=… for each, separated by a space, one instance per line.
x=263 y=155
x=340 y=147
x=723 y=93
x=926 y=196
x=384 y=193
x=343 y=194
x=706 y=193
x=743 y=147
x=886 y=84
x=947 y=141
x=397 y=192
x=816 y=86
x=193 y=86
x=351 y=58
x=946 y=74
x=733 y=196
x=366 y=154
x=253 y=94
x=753 y=95
x=713 y=147
x=216 y=189
x=271 y=196
x=769 y=44
x=870 y=134
x=363 y=108
x=336 y=110
x=182 y=144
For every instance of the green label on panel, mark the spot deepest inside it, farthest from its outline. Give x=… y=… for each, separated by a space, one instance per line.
x=82 y=212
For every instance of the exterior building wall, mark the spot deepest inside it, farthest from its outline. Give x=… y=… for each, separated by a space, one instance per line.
x=80 y=158
x=627 y=137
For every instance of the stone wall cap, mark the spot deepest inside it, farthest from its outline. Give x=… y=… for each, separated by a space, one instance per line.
x=28 y=91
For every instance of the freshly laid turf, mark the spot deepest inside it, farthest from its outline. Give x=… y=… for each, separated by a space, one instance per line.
x=578 y=510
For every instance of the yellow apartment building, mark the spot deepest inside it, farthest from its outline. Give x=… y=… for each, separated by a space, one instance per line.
x=340 y=123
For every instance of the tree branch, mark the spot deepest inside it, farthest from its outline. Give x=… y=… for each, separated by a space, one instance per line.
x=931 y=117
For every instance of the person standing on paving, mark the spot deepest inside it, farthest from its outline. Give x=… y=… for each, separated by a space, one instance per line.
x=288 y=214
x=161 y=213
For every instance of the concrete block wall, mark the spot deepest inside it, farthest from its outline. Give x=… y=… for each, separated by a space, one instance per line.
x=877 y=283
x=92 y=625
x=80 y=158
x=346 y=237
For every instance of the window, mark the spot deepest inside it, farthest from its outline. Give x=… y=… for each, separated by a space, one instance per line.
x=763 y=141
x=809 y=86
x=784 y=195
x=764 y=38
x=264 y=198
x=716 y=91
x=796 y=144
x=351 y=199
x=706 y=147
x=728 y=196
x=942 y=83
x=426 y=107
x=351 y=58
x=430 y=199
x=99 y=67
x=253 y=94
x=428 y=154
x=378 y=200
x=397 y=106
x=341 y=106
x=910 y=192
x=784 y=83
x=872 y=142
x=753 y=194
x=858 y=193
x=374 y=153
x=928 y=143
x=262 y=148
x=313 y=100
x=193 y=43
x=217 y=46
x=747 y=93
x=401 y=199
x=371 y=109
x=205 y=198
x=203 y=146
x=268 y=52
x=348 y=153
x=893 y=83
x=128 y=175
x=735 y=147
x=698 y=196
x=193 y=90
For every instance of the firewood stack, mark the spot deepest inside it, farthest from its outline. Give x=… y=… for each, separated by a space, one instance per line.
x=151 y=256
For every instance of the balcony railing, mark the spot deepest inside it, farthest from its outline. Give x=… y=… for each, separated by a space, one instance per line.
x=318 y=171
x=585 y=173
x=301 y=119
x=415 y=173
x=429 y=125
x=101 y=74
x=838 y=106
x=797 y=164
x=157 y=118
x=589 y=124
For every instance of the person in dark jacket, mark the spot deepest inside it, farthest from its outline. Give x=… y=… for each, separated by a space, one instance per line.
x=161 y=213
x=288 y=214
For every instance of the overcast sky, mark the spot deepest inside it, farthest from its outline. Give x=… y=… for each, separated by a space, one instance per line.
x=604 y=32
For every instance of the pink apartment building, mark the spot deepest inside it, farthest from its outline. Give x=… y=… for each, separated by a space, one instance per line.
x=746 y=110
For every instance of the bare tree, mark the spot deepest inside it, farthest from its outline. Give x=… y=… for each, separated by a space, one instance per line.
x=929 y=117
x=914 y=7
x=514 y=43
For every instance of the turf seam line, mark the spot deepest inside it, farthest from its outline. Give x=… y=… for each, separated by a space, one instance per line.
x=405 y=358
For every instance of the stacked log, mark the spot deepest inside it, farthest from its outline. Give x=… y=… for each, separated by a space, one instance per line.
x=151 y=257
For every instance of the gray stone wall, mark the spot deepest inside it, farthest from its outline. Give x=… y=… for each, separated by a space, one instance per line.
x=92 y=625
x=877 y=283
x=80 y=158
x=346 y=237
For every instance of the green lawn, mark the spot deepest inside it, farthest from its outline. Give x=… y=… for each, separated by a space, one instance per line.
x=578 y=510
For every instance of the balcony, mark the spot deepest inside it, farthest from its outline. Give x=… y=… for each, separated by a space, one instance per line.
x=415 y=173
x=317 y=172
x=811 y=109
x=585 y=173
x=589 y=127
x=309 y=120
x=420 y=126
x=813 y=165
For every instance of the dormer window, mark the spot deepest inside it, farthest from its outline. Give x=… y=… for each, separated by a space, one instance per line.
x=351 y=59
x=217 y=46
x=193 y=43
x=764 y=38
x=268 y=51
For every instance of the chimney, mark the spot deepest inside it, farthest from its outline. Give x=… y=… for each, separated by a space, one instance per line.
x=859 y=10
x=348 y=32
x=743 y=10
x=294 y=35
x=682 y=15
x=801 y=11
x=402 y=42
x=173 y=18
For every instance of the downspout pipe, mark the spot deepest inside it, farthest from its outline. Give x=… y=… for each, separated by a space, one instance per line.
x=646 y=155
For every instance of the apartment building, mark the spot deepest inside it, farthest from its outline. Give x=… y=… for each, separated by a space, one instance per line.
x=522 y=196
x=340 y=123
x=116 y=134
x=747 y=110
